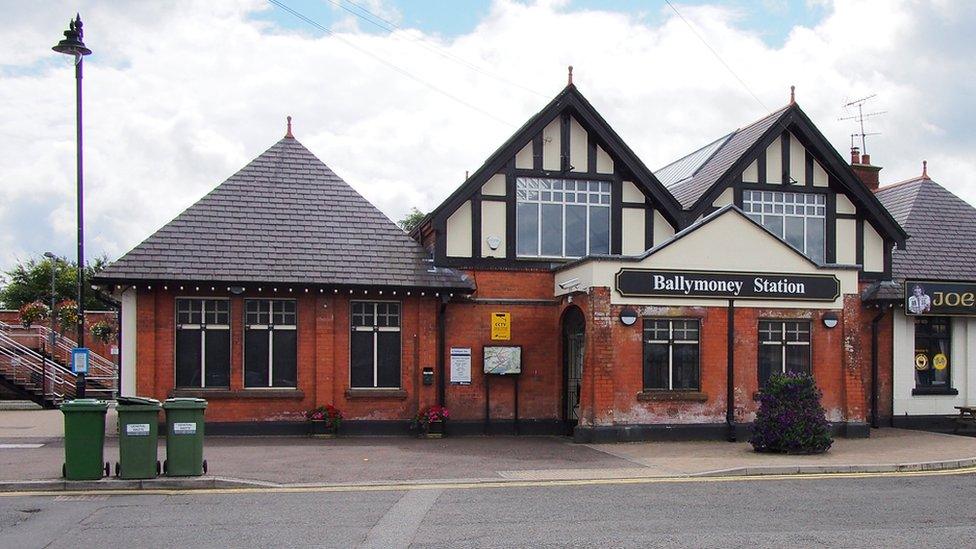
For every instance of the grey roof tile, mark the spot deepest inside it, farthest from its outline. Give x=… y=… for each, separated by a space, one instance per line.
x=285 y=217
x=941 y=228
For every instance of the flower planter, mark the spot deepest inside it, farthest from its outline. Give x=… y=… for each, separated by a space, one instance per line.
x=321 y=429
x=433 y=429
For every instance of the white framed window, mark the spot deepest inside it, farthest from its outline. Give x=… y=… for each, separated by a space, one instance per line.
x=562 y=217
x=270 y=343
x=798 y=218
x=784 y=346
x=374 y=345
x=202 y=343
x=671 y=354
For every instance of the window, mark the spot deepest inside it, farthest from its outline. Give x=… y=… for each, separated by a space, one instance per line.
x=375 y=345
x=270 y=343
x=562 y=217
x=671 y=354
x=202 y=343
x=932 y=344
x=783 y=347
x=797 y=218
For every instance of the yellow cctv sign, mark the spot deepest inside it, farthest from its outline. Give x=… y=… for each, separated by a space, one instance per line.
x=501 y=326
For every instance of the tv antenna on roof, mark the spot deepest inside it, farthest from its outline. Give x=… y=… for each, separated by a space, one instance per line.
x=860 y=116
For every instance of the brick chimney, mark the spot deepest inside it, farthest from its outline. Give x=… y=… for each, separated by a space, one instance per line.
x=861 y=164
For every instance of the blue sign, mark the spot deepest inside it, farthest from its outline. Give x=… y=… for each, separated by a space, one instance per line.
x=79 y=360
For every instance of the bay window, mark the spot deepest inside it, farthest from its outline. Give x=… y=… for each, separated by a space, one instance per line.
x=562 y=217
x=797 y=218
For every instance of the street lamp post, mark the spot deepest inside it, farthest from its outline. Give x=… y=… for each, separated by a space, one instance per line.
x=75 y=46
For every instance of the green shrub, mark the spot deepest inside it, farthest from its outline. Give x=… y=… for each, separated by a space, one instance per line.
x=791 y=418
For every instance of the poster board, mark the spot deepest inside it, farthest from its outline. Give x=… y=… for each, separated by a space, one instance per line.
x=460 y=365
x=503 y=359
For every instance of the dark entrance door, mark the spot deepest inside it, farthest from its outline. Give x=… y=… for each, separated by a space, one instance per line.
x=574 y=338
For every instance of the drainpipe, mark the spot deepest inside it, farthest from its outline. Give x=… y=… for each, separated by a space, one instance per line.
x=441 y=348
x=874 y=367
x=730 y=374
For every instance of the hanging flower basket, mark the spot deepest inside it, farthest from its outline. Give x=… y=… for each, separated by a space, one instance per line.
x=67 y=314
x=102 y=331
x=323 y=421
x=429 y=422
x=33 y=312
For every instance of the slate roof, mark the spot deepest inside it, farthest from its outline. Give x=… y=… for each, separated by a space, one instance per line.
x=690 y=177
x=284 y=218
x=942 y=235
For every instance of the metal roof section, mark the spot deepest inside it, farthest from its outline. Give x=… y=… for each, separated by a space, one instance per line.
x=685 y=167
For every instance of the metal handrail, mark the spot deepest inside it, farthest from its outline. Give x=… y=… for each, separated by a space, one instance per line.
x=62 y=379
x=57 y=382
x=97 y=363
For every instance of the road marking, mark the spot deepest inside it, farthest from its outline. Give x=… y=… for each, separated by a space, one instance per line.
x=19 y=446
x=394 y=487
x=399 y=525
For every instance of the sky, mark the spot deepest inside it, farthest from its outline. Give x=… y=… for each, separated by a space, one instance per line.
x=401 y=98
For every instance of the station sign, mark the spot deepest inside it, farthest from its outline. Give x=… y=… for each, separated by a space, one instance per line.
x=726 y=285
x=926 y=297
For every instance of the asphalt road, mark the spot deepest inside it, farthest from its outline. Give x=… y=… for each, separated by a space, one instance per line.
x=908 y=511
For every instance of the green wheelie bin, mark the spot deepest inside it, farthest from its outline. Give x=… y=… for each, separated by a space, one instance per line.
x=84 y=439
x=138 y=437
x=184 y=437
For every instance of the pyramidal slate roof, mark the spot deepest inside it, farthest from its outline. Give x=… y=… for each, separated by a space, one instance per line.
x=941 y=228
x=691 y=176
x=284 y=218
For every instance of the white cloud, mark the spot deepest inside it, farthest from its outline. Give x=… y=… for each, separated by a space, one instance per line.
x=179 y=96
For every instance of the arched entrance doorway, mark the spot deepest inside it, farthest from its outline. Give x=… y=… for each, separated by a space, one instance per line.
x=574 y=338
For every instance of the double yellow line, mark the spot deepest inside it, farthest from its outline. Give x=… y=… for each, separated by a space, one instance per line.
x=467 y=485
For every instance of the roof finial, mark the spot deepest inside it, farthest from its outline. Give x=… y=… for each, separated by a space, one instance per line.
x=792 y=95
x=569 y=81
x=925 y=169
x=288 y=133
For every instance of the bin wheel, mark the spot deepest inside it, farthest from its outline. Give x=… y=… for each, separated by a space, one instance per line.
x=204 y=466
x=64 y=470
x=158 y=469
x=108 y=469
x=118 y=469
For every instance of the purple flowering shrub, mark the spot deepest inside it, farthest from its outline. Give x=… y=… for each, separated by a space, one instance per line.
x=791 y=418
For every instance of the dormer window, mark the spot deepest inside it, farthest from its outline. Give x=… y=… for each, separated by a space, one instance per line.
x=798 y=218
x=562 y=218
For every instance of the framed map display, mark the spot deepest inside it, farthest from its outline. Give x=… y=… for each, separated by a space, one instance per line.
x=503 y=359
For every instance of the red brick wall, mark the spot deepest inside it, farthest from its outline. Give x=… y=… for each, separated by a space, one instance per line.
x=614 y=365
x=323 y=359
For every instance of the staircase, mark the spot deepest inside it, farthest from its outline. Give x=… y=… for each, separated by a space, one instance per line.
x=29 y=365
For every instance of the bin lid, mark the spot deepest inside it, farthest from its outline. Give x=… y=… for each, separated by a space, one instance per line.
x=85 y=404
x=137 y=401
x=185 y=403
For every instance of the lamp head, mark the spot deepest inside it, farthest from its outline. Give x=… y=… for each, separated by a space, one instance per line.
x=73 y=43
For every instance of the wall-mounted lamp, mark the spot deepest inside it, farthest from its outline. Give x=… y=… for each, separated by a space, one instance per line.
x=628 y=316
x=830 y=320
x=237 y=290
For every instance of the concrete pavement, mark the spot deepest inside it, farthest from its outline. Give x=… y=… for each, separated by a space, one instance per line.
x=31 y=449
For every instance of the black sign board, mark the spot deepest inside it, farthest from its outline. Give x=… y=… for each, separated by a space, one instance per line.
x=726 y=285
x=927 y=297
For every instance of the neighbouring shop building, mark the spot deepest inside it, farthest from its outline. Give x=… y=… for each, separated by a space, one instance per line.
x=932 y=302
x=562 y=288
